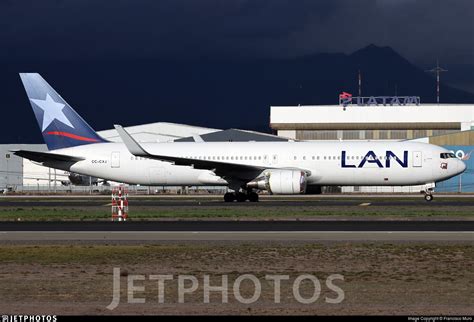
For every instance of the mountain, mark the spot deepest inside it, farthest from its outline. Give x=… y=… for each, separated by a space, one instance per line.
x=219 y=94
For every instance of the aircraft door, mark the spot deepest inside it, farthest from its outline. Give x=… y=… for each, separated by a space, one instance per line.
x=417 y=159
x=115 y=160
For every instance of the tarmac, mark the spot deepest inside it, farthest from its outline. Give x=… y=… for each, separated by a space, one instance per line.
x=208 y=230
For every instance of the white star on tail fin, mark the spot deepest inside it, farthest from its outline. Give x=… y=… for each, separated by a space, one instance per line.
x=52 y=111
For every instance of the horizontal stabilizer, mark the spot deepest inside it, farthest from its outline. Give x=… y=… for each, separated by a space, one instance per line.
x=45 y=156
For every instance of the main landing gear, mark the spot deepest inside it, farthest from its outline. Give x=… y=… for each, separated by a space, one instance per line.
x=428 y=196
x=251 y=196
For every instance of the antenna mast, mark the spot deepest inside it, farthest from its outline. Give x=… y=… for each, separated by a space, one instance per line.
x=360 y=84
x=437 y=70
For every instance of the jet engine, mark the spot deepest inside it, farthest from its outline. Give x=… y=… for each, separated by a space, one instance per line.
x=281 y=182
x=80 y=180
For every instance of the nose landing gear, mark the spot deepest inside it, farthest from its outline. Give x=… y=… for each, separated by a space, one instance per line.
x=427 y=190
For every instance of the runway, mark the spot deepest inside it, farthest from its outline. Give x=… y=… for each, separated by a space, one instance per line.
x=239 y=231
x=242 y=225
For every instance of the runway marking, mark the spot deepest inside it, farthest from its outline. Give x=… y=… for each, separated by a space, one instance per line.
x=364 y=204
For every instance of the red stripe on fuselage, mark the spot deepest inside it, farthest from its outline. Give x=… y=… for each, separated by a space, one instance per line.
x=72 y=136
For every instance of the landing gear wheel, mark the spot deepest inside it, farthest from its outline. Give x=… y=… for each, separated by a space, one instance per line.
x=229 y=197
x=428 y=197
x=253 y=196
x=240 y=197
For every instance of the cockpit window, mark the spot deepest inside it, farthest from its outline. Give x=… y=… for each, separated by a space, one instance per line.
x=447 y=155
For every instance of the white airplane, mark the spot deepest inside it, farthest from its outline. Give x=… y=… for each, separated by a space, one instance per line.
x=246 y=167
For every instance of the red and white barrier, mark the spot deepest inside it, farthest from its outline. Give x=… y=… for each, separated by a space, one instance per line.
x=119 y=203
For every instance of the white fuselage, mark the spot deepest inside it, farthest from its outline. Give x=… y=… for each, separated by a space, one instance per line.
x=328 y=163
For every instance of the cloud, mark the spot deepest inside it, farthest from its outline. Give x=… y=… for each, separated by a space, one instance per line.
x=185 y=29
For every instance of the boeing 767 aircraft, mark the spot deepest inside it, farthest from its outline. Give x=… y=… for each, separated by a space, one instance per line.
x=245 y=167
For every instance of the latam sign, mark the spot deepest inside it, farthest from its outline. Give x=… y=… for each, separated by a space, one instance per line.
x=347 y=99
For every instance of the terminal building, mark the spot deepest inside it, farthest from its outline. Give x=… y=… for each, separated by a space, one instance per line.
x=372 y=122
x=369 y=118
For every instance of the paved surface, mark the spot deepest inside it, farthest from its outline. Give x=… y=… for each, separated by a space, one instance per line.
x=217 y=203
x=239 y=226
x=239 y=231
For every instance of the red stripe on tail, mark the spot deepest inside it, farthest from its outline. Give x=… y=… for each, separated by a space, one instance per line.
x=72 y=136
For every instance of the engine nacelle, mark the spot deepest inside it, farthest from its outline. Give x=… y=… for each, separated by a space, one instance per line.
x=281 y=182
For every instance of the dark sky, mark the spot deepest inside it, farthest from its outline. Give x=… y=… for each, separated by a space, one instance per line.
x=140 y=61
x=421 y=30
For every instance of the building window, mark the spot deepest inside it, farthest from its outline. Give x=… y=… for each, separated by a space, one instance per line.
x=316 y=135
x=351 y=135
x=419 y=134
x=399 y=134
x=384 y=134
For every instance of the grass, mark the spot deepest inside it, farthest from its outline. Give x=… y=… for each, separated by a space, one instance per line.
x=253 y=252
x=210 y=207
x=95 y=213
x=45 y=214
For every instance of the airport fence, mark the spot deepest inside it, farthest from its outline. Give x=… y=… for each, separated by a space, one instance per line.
x=106 y=190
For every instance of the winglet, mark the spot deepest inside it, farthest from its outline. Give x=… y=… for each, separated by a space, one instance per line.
x=132 y=145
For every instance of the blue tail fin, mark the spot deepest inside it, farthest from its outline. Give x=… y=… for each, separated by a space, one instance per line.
x=60 y=125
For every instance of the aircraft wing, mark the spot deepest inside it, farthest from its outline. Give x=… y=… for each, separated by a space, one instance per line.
x=46 y=156
x=222 y=169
